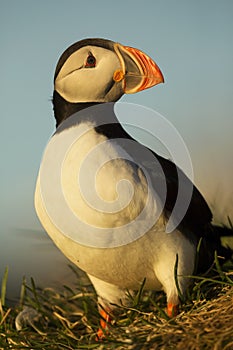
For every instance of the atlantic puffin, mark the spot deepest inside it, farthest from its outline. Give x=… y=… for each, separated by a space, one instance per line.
x=95 y=182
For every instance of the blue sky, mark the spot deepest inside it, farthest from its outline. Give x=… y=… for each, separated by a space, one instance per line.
x=190 y=40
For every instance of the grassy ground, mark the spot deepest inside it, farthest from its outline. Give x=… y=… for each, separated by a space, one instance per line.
x=69 y=320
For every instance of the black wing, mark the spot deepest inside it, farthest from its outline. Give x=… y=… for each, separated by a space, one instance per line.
x=198 y=214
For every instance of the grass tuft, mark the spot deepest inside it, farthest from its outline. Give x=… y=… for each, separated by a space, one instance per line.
x=69 y=319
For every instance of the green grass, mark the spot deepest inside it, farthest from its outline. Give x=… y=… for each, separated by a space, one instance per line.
x=69 y=320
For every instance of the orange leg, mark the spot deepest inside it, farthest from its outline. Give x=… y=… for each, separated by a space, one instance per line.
x=105 y=320
x=172 y=310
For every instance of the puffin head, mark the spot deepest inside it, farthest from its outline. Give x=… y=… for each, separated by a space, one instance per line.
x=97 y=71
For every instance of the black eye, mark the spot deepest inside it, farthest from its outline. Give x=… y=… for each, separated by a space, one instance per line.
x=91 y=61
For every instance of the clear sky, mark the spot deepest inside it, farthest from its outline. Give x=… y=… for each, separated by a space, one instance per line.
x=190 y=40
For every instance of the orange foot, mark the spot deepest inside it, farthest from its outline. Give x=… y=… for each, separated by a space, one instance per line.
x=104 y=323
x=172 y=310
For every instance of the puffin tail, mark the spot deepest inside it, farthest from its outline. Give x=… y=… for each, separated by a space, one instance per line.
x=219 y=233
x=213 y=243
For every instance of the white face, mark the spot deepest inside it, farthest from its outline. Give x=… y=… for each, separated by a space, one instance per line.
x=78 y=82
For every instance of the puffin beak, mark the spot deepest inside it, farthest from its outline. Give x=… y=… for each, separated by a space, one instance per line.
x=139 y=71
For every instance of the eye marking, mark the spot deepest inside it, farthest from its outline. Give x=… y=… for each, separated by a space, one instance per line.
x=91 y=61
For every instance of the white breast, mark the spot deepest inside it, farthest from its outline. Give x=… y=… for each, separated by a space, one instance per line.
x=100 y=210
x=92 y=191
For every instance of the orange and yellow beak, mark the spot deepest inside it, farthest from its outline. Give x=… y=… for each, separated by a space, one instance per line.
x=139 y=71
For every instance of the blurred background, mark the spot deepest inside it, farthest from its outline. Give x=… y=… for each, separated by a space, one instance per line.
x=192 y=44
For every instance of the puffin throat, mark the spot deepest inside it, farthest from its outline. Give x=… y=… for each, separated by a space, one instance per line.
x=64 y=109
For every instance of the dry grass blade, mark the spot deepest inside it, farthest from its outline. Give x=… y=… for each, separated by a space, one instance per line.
x=4 y=284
